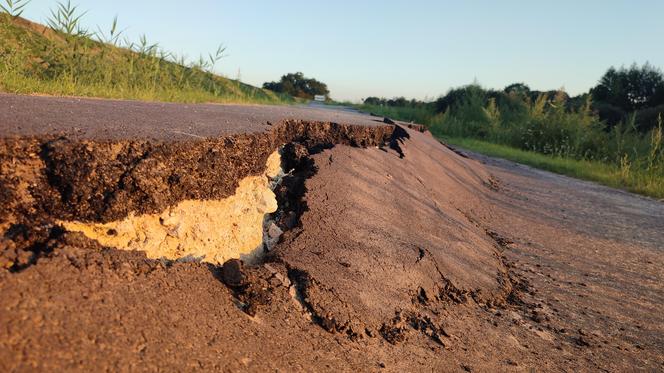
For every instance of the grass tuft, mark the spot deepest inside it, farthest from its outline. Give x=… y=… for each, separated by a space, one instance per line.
x=14 y=8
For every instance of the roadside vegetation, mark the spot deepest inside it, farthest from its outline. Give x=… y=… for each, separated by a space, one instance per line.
x=65 y=58
x=612 y=134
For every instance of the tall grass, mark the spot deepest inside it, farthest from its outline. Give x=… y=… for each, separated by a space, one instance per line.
x=14 y=8
x=617 y=176
x=65 y=58
x=545 y=133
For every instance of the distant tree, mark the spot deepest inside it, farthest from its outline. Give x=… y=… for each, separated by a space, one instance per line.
x=576 y=103
x=397 y=101
x=372 y=100
x=458 y=96
x=623 y=91
x=518 y=88
x=298 y=85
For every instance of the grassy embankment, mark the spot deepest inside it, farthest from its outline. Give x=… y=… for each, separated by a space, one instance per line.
x=620 y=158
x=64 y=59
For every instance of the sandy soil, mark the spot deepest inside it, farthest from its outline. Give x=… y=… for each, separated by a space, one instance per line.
x=414 y=259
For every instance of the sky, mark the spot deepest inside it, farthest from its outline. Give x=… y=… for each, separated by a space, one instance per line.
x=417 y=49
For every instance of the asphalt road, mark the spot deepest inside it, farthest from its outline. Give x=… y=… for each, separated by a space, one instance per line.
x=84 y=118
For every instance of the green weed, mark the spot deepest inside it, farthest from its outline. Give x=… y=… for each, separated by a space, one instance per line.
x=14 y=7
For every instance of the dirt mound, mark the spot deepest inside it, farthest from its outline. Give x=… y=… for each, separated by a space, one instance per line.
x=384 y=235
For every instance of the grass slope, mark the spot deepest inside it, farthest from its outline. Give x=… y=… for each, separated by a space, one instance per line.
x=35 y=59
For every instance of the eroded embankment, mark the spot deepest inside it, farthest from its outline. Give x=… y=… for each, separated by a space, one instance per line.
x=173 y=200
x=378 y=246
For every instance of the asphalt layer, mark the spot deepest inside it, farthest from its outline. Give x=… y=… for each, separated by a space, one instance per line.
x=98 y=160
x=84 y=118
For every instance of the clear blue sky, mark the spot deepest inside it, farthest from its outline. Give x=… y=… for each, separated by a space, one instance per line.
x=387 y=48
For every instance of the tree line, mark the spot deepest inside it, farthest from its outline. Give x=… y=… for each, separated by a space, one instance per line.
x=618 y=122
x=632 y=94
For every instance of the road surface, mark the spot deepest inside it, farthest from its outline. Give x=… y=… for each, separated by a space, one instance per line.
x=85 y=118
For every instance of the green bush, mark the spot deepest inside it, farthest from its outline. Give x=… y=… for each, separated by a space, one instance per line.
x=297 y=85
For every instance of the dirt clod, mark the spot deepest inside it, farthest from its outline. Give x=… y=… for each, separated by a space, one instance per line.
x=233 y=273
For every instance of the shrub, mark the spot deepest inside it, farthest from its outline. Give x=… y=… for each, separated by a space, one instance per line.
x=297 y=85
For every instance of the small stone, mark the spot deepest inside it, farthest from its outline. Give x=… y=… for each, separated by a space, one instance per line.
x=233 y=273
x=274 y=231
x=538 y=317
x=270 y=268
x=581 y=341
x=284 y=280
x=328 y=324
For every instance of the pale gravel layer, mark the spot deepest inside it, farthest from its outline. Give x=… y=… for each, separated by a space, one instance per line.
x=211 y=231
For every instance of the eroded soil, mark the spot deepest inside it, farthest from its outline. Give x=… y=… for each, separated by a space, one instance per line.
x=402 y=258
